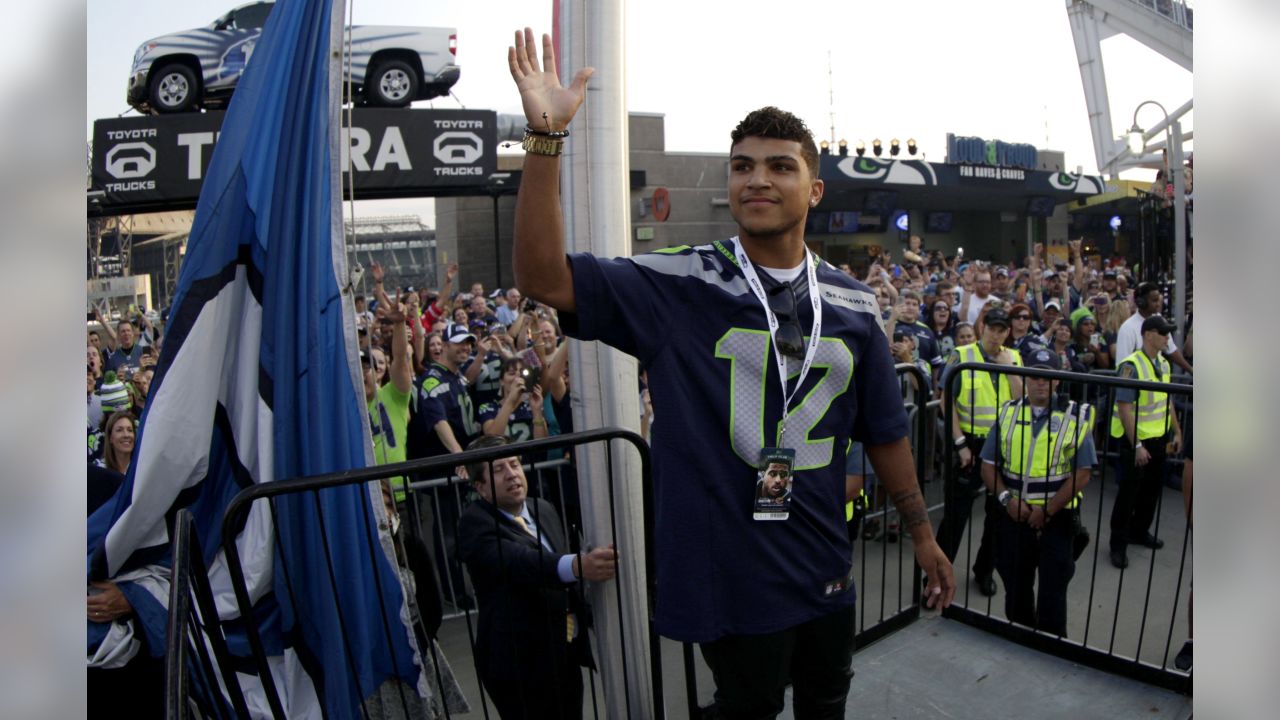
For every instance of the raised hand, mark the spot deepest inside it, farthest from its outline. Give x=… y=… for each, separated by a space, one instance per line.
x=548 y=105
x=376 y=271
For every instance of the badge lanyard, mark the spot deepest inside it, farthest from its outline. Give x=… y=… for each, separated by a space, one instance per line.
x=815 y=336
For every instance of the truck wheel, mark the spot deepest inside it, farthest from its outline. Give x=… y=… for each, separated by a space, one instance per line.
x=173 y=89
x=391 y=84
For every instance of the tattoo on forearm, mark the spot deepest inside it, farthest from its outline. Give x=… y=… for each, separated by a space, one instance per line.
x=911 y=507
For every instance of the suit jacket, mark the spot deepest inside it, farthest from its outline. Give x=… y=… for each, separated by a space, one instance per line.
x=522 y=602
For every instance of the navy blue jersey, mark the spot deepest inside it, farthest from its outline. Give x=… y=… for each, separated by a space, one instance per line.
x=130 y=359
x=946 y=343
x=488 y=385
x=690 y=318
x=926 y=342
x=440 y=394
x=1028 y=344
x=519 y=424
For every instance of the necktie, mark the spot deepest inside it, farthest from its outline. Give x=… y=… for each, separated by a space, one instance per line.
x=569 y=624
x=525 y=526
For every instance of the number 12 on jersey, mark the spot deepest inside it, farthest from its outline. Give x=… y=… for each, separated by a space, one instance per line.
x=749 y=354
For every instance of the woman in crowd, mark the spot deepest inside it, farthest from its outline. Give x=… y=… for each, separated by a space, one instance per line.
x=942 y=322
x=1087 y=342
x=519 y=414
x=1060 y=335
x=1112 y=318
x=1098 y=303
x=120 y=433
x=435 y=346
x=126 y=616
x=1021 y=337
x=460 y=316
x=965 y=334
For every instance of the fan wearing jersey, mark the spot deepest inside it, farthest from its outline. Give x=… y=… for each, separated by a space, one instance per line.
x=518 y=414
x=785 y=359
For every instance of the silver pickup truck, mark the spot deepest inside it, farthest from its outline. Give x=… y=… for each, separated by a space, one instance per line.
x=390 y=66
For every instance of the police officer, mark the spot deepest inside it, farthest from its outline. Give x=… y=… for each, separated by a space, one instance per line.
x=1146 y=428
x=973 y=414
x=1036 y=460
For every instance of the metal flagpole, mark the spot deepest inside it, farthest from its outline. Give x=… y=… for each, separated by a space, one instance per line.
x=604 y=383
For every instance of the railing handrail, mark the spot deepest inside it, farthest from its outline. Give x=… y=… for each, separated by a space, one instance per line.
x=446 y=480
x=1090 y=378
x=1077 y=652
x=175 y=655
x=241 y=503
x=419 y=466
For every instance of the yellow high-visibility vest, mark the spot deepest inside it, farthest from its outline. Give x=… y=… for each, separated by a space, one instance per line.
x=848 y=507
x=1037 y=463
x=1152 y=411
x=978 y=399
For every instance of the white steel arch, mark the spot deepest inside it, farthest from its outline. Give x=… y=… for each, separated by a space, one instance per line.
x=1165 y=26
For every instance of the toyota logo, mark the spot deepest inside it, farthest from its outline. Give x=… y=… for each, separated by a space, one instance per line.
x=131 y=160
x=458 y=148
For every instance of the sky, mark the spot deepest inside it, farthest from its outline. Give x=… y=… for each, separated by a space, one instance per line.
x=998 y=69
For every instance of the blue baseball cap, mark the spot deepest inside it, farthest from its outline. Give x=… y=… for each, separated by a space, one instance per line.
x=455 y=333
x=1042 y=358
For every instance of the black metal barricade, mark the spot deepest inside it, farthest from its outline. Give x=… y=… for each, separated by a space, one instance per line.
x=194 y=638
x=1129 y=634
x=894 y=609
x=441 y=466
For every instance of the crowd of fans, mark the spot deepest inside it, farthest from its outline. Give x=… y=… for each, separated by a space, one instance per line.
x=478 y=362
x=932 y=304
x=443 y=368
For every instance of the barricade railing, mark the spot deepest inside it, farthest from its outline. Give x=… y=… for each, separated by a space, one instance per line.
x=439 y=471
x=1181 y=405
x=885 y=605
x=194 y=637
x=1128 y=633
x=889 y=580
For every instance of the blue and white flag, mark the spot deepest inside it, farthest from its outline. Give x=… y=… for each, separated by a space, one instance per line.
x=259 y=380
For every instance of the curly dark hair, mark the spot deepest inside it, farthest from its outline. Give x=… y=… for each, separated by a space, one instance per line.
x=770 y=122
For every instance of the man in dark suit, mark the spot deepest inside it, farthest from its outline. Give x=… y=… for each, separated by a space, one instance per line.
x=532 y=637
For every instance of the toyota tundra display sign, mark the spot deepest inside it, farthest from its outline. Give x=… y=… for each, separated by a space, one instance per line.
x=151 y=162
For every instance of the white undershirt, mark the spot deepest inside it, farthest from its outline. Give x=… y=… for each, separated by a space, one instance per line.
x=784 y=275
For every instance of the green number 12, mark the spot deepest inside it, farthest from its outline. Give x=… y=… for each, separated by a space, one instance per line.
x=749 y=353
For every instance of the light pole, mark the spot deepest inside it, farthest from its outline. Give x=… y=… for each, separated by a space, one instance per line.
x=1137 y=139
x=497 y=188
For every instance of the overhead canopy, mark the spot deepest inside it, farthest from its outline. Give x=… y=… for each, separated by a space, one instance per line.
x=852 y=183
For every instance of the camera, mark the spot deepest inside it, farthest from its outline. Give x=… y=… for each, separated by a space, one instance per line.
x=530 y=304
x=532 y=376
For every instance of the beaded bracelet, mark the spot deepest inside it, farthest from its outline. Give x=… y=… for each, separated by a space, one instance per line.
x=546 y=133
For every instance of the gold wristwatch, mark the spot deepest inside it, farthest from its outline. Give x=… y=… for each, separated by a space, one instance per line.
x=542 y=145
